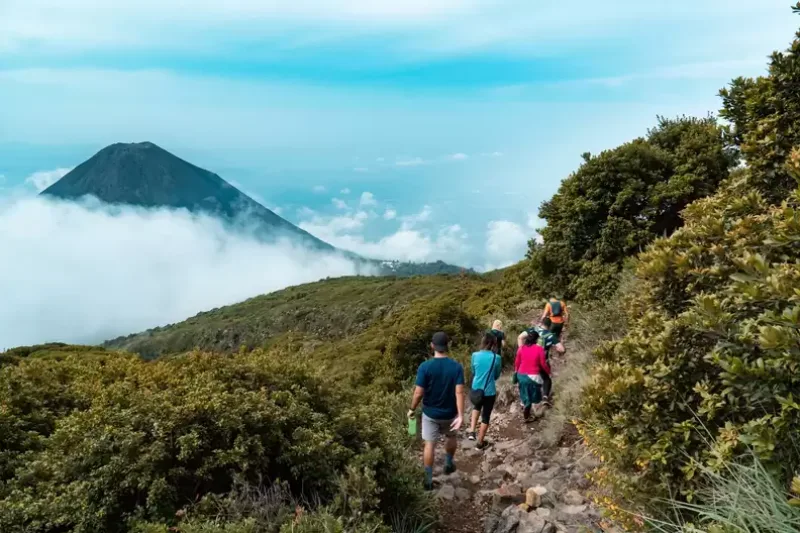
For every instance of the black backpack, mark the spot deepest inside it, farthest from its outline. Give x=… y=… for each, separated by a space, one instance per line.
x=555 y=307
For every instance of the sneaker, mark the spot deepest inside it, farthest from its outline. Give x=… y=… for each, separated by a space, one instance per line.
x=428 y=486
x=471 y=435
x=483 y=445
x=449 y=469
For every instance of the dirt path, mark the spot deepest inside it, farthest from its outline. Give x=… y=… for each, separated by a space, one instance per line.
x=484 y=494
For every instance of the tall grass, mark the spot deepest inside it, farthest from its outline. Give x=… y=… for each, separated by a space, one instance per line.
x=745 y=497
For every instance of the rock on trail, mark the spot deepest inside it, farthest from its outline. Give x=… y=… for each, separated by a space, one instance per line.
x=516 y=485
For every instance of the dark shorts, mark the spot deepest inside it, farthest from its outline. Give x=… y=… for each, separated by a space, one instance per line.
x=556 y=330
x=486 y=407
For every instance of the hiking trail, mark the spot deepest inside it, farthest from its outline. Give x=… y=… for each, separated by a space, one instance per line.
x=485 y=493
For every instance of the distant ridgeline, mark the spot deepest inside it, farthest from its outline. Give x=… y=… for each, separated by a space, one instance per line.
x=145 y=175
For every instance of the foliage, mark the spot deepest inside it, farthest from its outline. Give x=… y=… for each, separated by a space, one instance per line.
x=743 y=497
x=713 y=348
x=95 y=443
x=365 y=331
x=765 y=113
x=619 y=201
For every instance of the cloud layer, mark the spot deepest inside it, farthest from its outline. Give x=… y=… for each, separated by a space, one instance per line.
x=85 y=273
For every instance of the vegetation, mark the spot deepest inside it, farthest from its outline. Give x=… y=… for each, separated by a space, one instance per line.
x=98 y=442
x=620 y=201
x=743 y=497
x=365 y=330
x=710 y=365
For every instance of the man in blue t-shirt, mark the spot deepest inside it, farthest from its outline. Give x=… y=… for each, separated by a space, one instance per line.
x=440 y=388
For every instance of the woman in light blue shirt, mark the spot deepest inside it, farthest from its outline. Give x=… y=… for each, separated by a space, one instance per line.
x=486 y=368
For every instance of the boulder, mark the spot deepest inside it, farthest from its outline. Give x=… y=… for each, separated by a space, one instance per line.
x=531 y=523
x=446 y=492
x=532 y=498
x=572 y=497
x=573 y=509
x=483 y=498
x=462 y=494
x=475 y=480
x=509 y=520
x=544 y=512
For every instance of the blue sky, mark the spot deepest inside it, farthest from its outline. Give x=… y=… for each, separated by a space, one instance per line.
x=417 y=129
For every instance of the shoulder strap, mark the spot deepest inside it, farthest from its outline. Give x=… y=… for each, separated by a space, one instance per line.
x=491 y=369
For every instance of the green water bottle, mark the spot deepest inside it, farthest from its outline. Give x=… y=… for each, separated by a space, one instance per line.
x=412 y=425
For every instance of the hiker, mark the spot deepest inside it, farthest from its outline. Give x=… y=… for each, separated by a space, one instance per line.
x=530 y=371
x=556 y=310
x=486 y=368
x=546 y=340
x=497 y=331
x=440 y=388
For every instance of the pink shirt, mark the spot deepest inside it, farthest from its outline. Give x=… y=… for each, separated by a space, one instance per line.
x=531 y=361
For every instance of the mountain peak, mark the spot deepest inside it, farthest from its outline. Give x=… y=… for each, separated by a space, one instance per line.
x=145 y=175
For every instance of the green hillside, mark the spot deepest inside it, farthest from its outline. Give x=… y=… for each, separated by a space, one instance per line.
x=355 y=325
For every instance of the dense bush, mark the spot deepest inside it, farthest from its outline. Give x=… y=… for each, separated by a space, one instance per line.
x=619 y=201
x=710 y=367
x=713 y=349
x=765 y=113
x=91 y=442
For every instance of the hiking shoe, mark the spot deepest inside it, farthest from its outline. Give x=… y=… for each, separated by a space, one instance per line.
x=483 y=445
x=471 y=435
x=428 y=486
x=449 y=469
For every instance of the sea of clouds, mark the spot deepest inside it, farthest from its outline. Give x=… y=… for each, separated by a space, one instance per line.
x=87 y=272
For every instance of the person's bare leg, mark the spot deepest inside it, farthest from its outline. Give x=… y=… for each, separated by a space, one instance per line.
x=474 y=422
x=482 y=432
x=450 y=445
x=427 y=461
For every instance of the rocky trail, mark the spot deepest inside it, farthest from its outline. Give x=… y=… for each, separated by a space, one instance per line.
x=518 y=485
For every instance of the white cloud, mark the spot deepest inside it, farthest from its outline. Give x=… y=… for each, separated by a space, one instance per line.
x=45 y=178
x=324 y=227
x=361 y=169
x=345 y=191
x=277 y=210
x=367 y=199
x=409 y=162
x=339 y=204
x=139 y=23
x=408 y=243
x=319 y=189
x=411 y=221
x=506 y=243
x=492 y=154
x=458 y=156
x=148 y=273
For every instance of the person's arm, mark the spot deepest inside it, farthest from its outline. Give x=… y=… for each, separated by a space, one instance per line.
x=456 y=425
x=419 y=391
x=472 y=365
x=498 y=367
x=518 y=360
x=546 y=311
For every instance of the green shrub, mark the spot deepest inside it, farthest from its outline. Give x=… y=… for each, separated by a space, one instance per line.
x=713 y=348
x=744 y=496
x=619 y=201
x=91 y=443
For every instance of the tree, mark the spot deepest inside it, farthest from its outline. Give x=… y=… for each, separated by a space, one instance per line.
x=765 y=117
x=619 y=201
